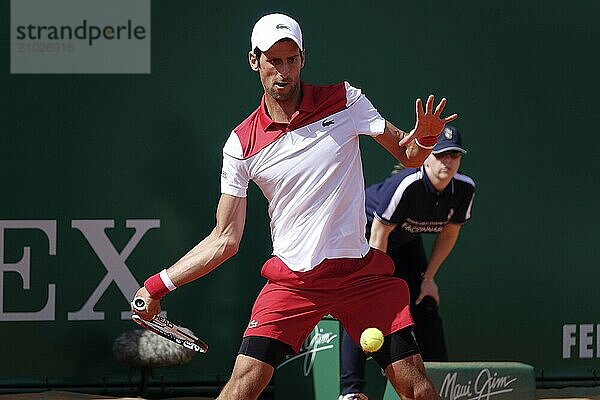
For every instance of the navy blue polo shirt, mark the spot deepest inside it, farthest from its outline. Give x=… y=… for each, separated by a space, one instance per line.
x=409 y=200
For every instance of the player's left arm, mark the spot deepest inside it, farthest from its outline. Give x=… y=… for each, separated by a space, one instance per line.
x=412 y=148
x=443 y=245
x=409 y=155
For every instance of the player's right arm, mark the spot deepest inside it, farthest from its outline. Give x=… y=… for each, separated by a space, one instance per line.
x=221 y=244
x=379 y=234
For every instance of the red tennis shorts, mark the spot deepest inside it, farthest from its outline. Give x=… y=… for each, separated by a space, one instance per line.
x=359 y=292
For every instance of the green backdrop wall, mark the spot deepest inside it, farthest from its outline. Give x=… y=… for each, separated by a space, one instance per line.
x=84 y=151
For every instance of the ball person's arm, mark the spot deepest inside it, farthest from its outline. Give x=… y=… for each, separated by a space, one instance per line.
x=443 y=245
x=221 y=244
x=402 y=145
x=379 y=234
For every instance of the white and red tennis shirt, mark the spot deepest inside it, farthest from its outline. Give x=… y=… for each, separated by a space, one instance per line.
x=310 y=171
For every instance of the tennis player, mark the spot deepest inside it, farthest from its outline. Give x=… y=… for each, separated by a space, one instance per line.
x=301 y=147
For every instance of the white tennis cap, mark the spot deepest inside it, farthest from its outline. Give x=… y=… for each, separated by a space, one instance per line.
x=272 y=28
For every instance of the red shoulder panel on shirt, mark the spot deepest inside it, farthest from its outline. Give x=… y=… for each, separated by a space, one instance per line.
x=258 y=131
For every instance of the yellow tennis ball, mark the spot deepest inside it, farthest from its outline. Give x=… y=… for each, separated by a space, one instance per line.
x=371 y=340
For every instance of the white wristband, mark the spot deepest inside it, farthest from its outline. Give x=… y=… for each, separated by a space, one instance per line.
x=167 y=281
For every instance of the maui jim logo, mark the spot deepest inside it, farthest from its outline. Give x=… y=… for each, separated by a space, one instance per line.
x=320 y=341
x=485 y=386
x=282 y=26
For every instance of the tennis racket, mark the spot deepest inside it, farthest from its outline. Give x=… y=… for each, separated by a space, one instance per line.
x=167 y=329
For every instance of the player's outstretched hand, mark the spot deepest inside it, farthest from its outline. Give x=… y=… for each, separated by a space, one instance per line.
x=429 y=122
x=152 y=306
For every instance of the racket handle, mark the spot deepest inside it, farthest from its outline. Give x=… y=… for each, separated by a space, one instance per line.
x=139 y=304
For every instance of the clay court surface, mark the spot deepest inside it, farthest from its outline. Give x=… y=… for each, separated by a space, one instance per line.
x=543 y=394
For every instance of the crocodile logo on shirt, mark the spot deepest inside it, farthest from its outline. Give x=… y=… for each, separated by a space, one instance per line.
x=327 y=122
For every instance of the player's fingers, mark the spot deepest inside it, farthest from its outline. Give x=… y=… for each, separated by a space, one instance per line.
x=145 y=309
x=429 y=105
x=440 y=107
x=450 y=118
x=146 y=315
x=134 y=309
x=419 y=108
x=419 y=299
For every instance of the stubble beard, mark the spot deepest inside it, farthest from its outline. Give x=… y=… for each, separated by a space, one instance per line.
x=284 y=96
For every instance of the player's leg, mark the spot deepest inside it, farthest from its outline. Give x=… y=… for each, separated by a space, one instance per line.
x=352 y=370
x=374 y=298
x=281 y=319
x=257 y=359
x=248 y=379
x=400 y=359
x=409 y=379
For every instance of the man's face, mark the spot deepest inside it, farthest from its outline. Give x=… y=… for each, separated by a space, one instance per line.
x=443 y=166
x=279 y=69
